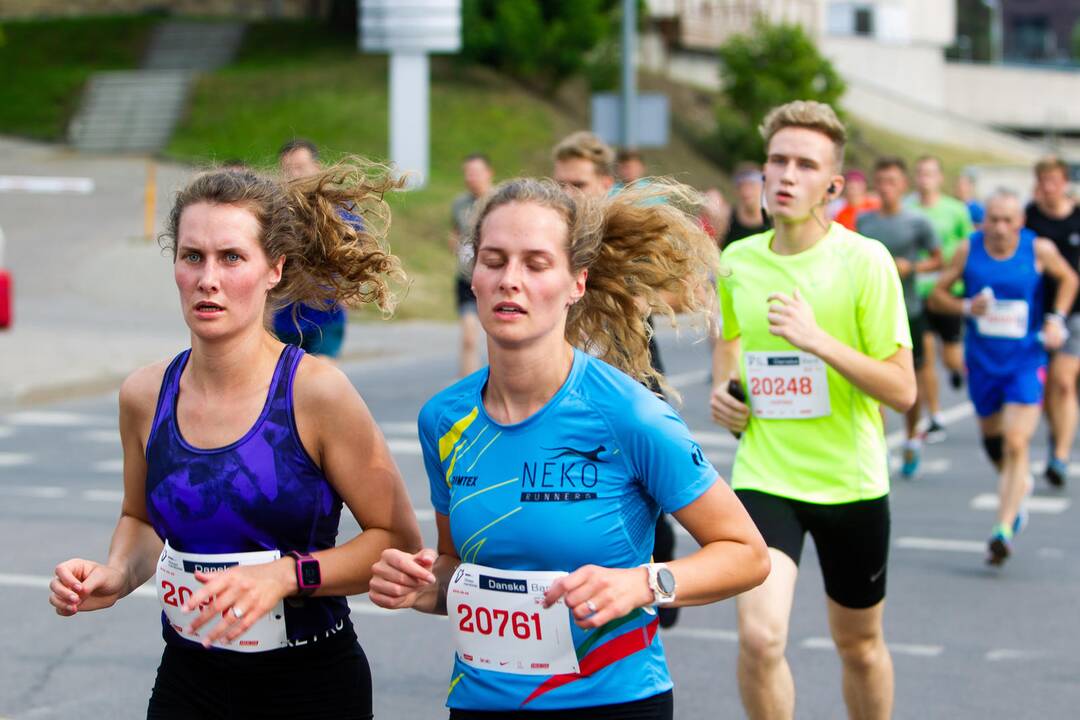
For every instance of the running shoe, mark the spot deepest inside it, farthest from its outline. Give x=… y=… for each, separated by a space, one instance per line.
x=1055 y=472
x=1021 y=520
x=910 y=466
x=935 y=432
x=1000 y=546
x=956 y=379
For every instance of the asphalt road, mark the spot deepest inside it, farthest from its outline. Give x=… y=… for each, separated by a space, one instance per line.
x=968 y=641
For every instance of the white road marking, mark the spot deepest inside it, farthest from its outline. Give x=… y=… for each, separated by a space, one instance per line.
x=398 y=428
x=824 y=643
x=43 y=492
x=109 y=437
x=681 y=380
x=112 y=496
x=708 y=438
x=1053 y=553
x=1002 y=654
x=719 y=458
x=12 y=459
x=939 y=544
x=109 y=466
x=404 y=447
x=936 y=466
x=41 y=418
x=1036 y=504
x=44 y=184
x=701 y=634
x=948 y=416
x=6 y=432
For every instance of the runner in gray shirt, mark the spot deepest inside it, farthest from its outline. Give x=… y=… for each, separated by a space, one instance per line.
x=916 y=248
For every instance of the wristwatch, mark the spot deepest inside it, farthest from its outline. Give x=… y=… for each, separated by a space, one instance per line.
x=662 y=583
x=308 y=575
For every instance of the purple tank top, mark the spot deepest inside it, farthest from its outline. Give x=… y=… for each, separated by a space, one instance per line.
x=262 y=492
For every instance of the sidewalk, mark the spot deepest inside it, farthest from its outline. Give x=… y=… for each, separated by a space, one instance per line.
x=94 y=299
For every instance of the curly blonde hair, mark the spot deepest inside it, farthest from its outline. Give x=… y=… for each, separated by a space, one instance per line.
x=331 y=229
x=645 y=252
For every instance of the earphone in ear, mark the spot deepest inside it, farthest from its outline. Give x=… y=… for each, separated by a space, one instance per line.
x=832 y=189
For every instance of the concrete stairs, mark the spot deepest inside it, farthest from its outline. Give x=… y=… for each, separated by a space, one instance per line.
x=137 y=111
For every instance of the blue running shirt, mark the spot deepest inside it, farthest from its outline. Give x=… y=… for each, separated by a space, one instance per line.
x=580 y=482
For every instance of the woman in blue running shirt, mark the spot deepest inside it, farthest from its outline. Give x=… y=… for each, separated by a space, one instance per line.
x=240 y=452
x=548 y=468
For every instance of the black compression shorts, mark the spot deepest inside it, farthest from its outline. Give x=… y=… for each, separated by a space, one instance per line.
x=852 y=541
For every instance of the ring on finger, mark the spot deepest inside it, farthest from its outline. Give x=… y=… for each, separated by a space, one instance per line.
x=237 y=612
x=591 y=605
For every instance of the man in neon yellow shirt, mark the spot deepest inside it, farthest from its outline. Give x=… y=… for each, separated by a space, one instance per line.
x=816 y=333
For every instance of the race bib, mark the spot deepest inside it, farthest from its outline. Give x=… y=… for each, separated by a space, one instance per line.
x=500 y=623
x=1004 y=319
x=176 y=584
x=787 y=385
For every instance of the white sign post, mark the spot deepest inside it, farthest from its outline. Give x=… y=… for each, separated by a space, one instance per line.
x=409 y=30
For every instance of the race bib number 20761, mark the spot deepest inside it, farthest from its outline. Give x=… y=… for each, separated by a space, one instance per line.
x=500 y=622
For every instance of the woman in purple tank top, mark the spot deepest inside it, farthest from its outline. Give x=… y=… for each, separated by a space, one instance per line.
x=240 y=453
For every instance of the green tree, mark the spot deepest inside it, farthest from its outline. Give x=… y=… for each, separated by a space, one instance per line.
x=772 y=65
x=544 y=41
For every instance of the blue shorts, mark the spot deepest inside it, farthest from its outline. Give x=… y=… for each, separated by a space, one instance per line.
x=989 y=393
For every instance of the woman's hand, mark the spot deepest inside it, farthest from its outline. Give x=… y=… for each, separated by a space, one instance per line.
x=597 y=595
x=240 y=596
x=404 y=580
x=83 y=585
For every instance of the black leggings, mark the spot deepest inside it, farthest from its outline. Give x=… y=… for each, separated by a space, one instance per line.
x=327 y=679
x=657 y=707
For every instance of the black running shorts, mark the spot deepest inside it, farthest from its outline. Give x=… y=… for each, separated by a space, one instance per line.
x=325 y=679
x=950 y=328
x=852 y=541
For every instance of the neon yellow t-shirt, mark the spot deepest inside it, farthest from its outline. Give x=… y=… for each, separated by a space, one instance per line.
x=852 y=285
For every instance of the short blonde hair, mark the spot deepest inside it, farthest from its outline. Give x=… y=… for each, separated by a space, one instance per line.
x=586 y=146
x=807 y=114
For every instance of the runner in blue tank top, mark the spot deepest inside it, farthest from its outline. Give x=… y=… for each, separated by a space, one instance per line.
x=238 y=458
x=548 y=468
x=1003 y=268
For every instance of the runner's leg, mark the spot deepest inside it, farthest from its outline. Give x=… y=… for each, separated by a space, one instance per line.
x=1019 y=423
x=927 y=375
x=469 y=360
x=1061 y=402
x=868 y=668
x=765 y=682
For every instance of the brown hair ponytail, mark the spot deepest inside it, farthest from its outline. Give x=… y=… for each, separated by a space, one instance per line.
x=645 y=253
x=329 y=256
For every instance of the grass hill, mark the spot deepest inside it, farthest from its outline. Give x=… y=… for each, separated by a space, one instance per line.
x=295 y=79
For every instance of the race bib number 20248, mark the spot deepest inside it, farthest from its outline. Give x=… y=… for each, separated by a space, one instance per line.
x=788 y=385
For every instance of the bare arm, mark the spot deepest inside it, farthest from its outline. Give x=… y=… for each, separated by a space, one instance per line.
x=83 y=585
x=733 y=558
x=356 y=460
x=890 y=381
x=1054 y=265
x=418 y=580
x=929 y=264
x=941 y=300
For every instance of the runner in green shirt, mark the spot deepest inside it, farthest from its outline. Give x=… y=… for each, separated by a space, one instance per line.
x=816 y=334
x=952 y=222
